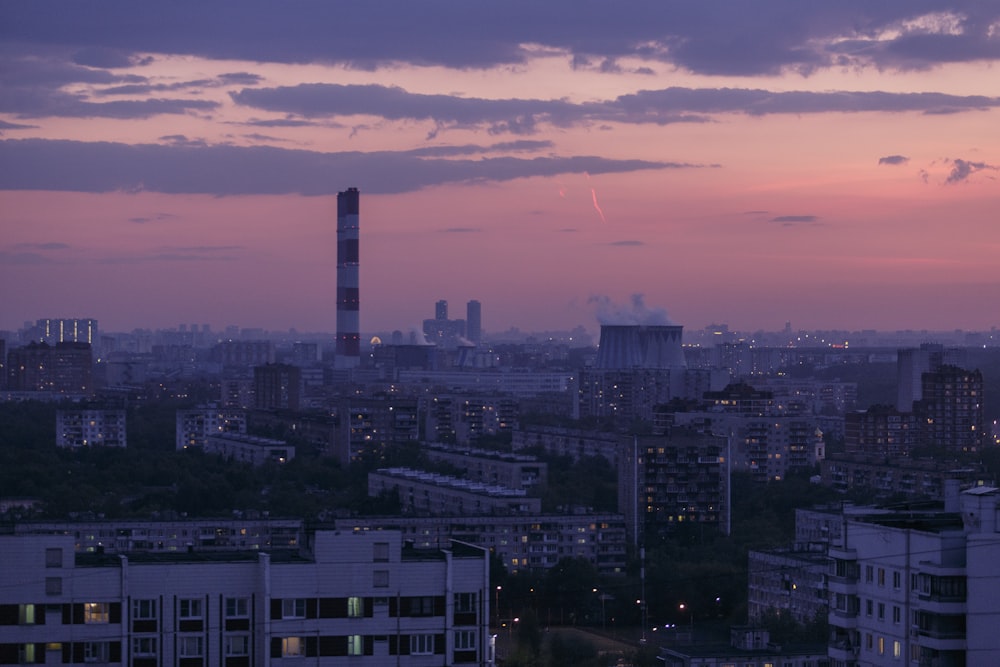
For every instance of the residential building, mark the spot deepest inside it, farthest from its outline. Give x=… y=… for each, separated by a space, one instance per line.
x=515 y=471
x=347 y=598
x=918 y=588
x=521 y=542
x=429 y=493
x=250 y=449
x=194 y=426
x=90 y=428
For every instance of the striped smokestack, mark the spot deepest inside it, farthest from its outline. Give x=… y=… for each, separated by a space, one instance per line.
x=348 y=296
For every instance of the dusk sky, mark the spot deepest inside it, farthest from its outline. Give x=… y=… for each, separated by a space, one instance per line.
x=832 y=164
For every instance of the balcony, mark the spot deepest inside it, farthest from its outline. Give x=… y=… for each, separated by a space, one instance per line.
x=842 y=618
x=844 y=651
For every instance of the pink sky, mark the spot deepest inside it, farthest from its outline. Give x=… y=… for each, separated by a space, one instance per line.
x=844 y=179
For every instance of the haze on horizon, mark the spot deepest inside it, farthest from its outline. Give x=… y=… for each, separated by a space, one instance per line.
x=835 y=166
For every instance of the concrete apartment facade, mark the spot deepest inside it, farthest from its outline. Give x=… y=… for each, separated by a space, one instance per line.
x=350 y=598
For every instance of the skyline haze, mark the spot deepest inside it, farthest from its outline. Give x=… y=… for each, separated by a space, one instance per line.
x=832 y=166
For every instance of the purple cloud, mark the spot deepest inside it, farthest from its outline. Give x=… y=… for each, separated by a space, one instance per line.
x=893 y=159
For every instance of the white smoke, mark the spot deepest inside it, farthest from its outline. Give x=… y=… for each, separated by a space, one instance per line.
x=636 y=312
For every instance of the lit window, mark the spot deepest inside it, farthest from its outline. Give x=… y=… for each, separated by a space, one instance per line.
x=190 y=608
x=421 y=644
x=26 y=614
x=293 y=608
x=355 y=607
x=293 y=647
x=896 y=650
x=355 y=645
x=881 y=645
x=95 y=612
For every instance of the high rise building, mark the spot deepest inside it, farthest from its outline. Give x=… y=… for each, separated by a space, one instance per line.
x=72 y=330
x=474 y=321
x=952 y=408
x=348 y=297
x=441 y=310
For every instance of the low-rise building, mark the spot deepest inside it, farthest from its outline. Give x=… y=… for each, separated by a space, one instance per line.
x=249 y=449
x=429 y=493
x=516 y=471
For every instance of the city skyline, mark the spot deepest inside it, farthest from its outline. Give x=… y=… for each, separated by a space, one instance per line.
x=835 y=167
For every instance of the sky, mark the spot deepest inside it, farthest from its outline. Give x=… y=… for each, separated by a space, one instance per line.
x=828 y=164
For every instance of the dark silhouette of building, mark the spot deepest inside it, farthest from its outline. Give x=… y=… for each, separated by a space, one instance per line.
x=277 y=387
x=881 y=429
x=474 y=321
x=64 y=368
x=951 y=409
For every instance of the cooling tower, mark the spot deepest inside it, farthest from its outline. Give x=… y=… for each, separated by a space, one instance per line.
x=626 y=346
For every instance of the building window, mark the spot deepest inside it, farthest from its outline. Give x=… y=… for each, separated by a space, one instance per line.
x=869 y=607
x=421 y=644
x=380 y=552
x=293 y=608
x=465 y=640
x=143 y=610
x=237 y=608
x=355 y=607
x=465 y=603
x=53 y=557
x=869 y=573
x=869 y=645
x=355 y=645
x=95 y=652
x=26 y=614
x=881 y=576
x=293 y=647
x=190 y=609
x=53 y=585
x=897 y=580
x=26 y=654
x=881 y=645
x=144 y=647
x=237 y=645
x=897 y=650
x=897 y=615
x=380 y=579
x=95 y=612
x=189 y=647
x=881 y=611
x=422 y=606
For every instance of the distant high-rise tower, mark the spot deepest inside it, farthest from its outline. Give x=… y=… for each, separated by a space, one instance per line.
x=441 y=310
x=348 y=296
x=474 y=321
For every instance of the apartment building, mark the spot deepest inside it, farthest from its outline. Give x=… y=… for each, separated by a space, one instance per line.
x=350 y=598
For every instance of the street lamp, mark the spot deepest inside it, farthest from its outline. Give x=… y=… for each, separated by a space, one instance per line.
x=499 y=588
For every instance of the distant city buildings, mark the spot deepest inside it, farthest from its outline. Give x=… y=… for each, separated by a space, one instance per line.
x=61 y=369
x=194 y=426
x=244 y=448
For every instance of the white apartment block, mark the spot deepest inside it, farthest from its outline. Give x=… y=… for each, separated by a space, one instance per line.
x=249 y=449
x=350 y=599
x=918 y=589
x=90 y=428
x=516 y=471
x=158 y=536
x=194 y=426
x=430 y=493
x=522 y=543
